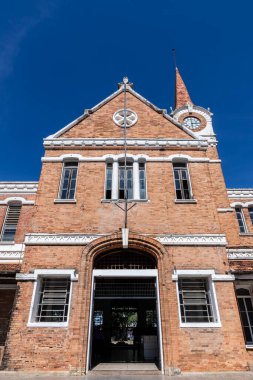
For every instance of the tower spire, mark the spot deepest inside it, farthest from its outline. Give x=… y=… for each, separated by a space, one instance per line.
x=182 y=97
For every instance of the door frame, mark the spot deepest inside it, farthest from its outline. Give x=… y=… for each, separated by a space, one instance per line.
x=120 y=273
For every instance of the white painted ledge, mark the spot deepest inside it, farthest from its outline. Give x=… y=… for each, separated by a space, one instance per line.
x=200 y=325
x=186 y=201
x=48 y=324
x=64 y=200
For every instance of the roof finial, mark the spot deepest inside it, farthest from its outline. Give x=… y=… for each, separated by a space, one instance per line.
x=174 y=57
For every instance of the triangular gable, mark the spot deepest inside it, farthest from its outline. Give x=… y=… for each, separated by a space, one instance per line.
x=89 y=112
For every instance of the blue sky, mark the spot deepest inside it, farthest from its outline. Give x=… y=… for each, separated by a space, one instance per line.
x=58 y=57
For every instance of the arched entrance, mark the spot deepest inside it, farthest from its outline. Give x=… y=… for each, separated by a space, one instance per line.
x=125 y=315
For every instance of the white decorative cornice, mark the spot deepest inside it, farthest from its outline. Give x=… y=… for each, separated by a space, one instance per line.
x=60 y=239
x=240 y=193
x=107 y=142
x=18 y=187
x=137 y=157
x=22 y=200
x=11 y=253
x=83 y=239
x=194 y=239
x=240 y=254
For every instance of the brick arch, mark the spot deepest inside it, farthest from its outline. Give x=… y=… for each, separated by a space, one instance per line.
x=135 y=241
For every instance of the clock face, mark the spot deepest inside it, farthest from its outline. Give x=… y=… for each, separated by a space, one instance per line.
x=192 y=122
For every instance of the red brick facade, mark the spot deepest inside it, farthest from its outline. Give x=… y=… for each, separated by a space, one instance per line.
x=196 y=234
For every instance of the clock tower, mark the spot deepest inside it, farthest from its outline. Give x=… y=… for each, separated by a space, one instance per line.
x=195 y=118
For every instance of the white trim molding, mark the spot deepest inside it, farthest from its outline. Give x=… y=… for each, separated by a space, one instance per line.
x=240 y=193
x=33 y=276
x=241 y=204
x=11 y=253
x=147 y=158
x=22 y=200
x=18 y=187
x=145 y=143
x=202 y=273
x=194 y=239
x=60 y=239
x=240 y=254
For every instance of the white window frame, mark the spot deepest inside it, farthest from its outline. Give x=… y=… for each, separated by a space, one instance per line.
x=71 y=200
x=49 y=273
x=243 y=220
x=210 y=276
x=182 y=161
x=136 y=178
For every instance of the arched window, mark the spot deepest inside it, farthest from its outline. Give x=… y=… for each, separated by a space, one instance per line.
x=245 y=305
x=129 y=259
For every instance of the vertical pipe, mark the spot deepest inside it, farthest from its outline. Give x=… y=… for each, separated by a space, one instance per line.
x=125 y=80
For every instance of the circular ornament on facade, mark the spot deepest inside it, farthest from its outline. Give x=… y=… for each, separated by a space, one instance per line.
x=131 y=118
x=192 y=122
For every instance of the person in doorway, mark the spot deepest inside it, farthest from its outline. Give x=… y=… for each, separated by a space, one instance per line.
x=98 y=344
x=137 y=343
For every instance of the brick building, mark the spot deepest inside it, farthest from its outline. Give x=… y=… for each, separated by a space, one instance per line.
x=171 y=286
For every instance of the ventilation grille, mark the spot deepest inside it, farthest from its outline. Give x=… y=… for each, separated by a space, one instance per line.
x=54 y=300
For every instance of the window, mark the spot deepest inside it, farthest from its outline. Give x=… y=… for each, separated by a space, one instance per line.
x=241 y=220
x=108 y=186
x=129 y=180
x=142 y=179
x=11 y=222
x=182 y=181
x=246 y=312
x=53 y=300
x=68 y=180
x=196 y=300
x=135 y=180
x=251 y=213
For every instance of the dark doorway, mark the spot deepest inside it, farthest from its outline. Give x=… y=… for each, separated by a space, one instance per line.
x=124 y=321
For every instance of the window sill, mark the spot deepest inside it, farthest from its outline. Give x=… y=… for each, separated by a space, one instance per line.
x=245 y=234
x=7 y=242
x=122 y=201
x=249 y=346
x=47 y=324
x=201 y=325
x=65 y=201
x=185 y=200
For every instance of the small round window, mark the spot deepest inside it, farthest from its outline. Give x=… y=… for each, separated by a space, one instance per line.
x=119 y=118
